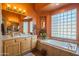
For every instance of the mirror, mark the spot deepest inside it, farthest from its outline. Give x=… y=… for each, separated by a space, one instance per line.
x=13 y=27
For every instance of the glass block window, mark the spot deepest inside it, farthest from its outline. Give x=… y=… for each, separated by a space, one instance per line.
x=31 y=26
x=63 y=24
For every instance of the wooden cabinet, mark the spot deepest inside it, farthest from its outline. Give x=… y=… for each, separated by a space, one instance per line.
x=11 y=48
x=1 y=47
x=22 y=42
x=28 y=44
x=25 y=45
x=18 y=46
x=34 y=42
x=16 y=49
x=8 y=50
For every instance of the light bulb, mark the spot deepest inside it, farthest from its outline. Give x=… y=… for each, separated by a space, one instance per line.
x=24 y=10
x=14 y=7
x=20 y=9
x=8 y=5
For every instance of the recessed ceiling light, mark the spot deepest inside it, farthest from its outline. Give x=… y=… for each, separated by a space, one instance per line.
x=57 y=3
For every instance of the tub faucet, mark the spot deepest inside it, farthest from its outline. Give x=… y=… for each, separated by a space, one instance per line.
x=70 y=46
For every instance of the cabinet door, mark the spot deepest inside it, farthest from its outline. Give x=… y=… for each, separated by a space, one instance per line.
x=8 y=47
x=34 y=41
x=12 y=49
x=28 y=44
x=23 y=46
x=9 y=51
x=1 y=48
x=16 y=49
x=21 y=41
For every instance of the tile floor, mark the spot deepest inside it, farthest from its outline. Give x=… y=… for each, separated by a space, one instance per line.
x=34 y=52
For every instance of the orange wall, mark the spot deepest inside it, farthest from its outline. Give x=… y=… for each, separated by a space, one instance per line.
x=29 y=12
x=65 y=8
x=12 y=17
x=48 y=25
x=36 y=15
x=47 y=20
x=28 y=7
x=62 y=9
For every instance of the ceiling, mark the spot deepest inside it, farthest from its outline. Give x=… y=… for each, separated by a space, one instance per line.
x=40 y=7
x=48 y=6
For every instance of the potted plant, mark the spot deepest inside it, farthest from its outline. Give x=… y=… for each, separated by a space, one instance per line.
x=42 y=33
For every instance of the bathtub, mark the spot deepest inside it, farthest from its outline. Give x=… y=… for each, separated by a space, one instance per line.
x=66 y=45
x=59 y=45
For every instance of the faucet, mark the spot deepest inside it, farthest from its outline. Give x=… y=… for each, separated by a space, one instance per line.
x=70 y=46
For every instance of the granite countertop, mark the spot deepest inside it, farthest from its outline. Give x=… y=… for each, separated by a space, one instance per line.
x=5 y=37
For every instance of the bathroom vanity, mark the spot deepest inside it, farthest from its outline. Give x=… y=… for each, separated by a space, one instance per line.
x=17 y=45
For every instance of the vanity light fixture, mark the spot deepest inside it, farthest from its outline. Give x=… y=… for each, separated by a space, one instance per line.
x=15 y=9
x=24 y=11
x=8 y=7
x=20 y=10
